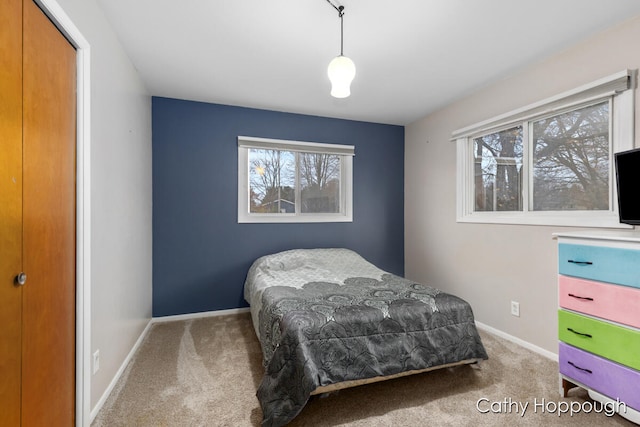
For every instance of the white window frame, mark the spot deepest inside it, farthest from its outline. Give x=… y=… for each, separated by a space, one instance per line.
x=618 y=87
x=346 y=153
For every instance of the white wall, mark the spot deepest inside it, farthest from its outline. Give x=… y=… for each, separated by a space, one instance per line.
x=490 y=265
x=120 y=195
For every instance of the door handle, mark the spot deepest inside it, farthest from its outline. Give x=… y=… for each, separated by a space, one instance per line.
x=21 y=279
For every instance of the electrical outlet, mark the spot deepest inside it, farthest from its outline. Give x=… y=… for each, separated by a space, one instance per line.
x=515 y=308
x=96 y=362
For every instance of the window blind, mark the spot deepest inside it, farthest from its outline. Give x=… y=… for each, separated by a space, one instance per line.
x=299 y=146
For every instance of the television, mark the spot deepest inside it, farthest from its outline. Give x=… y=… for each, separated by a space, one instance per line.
x=628 y=181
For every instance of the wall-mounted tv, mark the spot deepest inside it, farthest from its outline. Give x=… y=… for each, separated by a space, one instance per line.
x=628 y=180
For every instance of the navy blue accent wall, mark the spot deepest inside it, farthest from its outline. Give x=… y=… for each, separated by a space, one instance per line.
x=201 y=254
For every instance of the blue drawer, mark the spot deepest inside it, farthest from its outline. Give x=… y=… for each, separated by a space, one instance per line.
x=604 y=264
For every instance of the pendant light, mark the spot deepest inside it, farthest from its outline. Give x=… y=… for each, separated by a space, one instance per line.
x=341 y=69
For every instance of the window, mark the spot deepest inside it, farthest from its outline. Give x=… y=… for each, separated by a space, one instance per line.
x=549 y=163
x=571 y=160
x=498 y=169
x=293 y=181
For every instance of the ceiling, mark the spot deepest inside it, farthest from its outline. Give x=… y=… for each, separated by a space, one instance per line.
x=412 y=56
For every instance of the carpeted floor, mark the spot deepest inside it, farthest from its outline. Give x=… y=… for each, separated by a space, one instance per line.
x=205 y=372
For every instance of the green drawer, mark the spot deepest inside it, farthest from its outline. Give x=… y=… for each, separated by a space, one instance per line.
x=608 y=340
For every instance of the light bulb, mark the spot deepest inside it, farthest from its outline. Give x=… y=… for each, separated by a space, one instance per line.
x=341 y=72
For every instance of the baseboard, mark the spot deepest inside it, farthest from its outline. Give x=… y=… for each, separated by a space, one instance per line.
x=522 y=343
x=199 y=315
x=116 y=377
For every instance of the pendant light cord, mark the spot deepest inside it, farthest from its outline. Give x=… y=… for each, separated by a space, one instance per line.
x=341 y=30
x=340 y=10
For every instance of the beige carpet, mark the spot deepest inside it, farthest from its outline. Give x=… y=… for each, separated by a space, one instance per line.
x=205 y=372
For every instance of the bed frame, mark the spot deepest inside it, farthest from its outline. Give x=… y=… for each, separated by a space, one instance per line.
x=354 y=383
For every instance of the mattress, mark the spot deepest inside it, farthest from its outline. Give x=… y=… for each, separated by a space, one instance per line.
x=328 y=316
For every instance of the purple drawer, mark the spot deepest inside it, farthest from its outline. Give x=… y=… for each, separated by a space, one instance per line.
x=606 y=377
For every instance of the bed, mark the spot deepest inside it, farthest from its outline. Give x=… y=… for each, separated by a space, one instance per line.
x=328 y=319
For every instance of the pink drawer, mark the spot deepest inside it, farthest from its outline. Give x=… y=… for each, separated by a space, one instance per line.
x=612 y=302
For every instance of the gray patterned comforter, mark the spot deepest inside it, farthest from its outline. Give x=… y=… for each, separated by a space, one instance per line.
x=324 y=316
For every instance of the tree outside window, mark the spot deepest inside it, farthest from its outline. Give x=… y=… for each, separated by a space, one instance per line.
x=275 y=174
x=570 y=163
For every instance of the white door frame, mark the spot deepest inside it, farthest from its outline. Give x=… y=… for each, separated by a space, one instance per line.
x=83 y=207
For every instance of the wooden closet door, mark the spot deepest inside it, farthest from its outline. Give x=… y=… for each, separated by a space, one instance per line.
x=10 y=209
x=49 y=164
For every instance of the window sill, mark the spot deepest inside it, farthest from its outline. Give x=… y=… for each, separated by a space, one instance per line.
x=575 y=219
x=291 y=218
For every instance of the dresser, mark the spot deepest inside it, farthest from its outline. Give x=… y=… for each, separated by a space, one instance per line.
x=599 y=317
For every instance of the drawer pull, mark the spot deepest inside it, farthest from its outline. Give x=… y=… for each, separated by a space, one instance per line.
x=580 y=262
x=579 y=297
x=579 y=333
x=578 y=367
